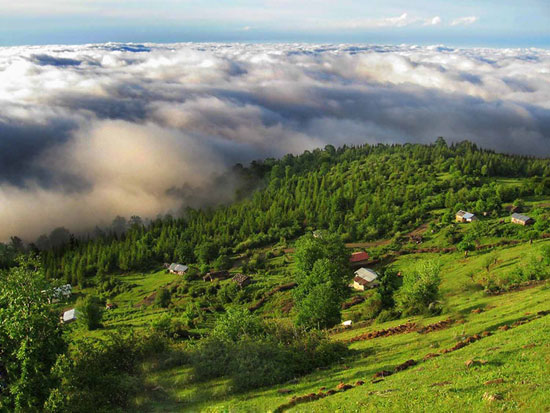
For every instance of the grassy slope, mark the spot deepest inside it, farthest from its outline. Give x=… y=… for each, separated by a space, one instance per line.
x=524 y=369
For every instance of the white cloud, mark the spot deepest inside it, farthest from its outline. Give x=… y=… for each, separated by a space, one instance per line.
x=397 y=21
x=91 y=132
x=434 y=21
x=464 y=21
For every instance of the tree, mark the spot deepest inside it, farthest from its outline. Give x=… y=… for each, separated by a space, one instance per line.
x=30 y=338
x=163 y=298
x=420 y=291
x=91 y=312
x=322 y=274
x=310 y=249
x=223 y=262
x=206 y=252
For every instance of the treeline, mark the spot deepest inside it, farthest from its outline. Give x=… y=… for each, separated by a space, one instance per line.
x=361 y=193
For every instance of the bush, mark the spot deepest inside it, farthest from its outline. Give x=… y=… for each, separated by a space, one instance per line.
x=387 y=315
x=252 y=354
x=420 y=289
x=101 y=375
x=167 y=327
x=163 y=298
x=91 y=312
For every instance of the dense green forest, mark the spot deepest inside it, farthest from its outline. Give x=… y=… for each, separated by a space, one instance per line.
x=293 y=226
x=361 y=193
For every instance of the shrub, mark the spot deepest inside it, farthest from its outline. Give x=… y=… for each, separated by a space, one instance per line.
x=101 y=375
x=253 y=354
x=91 y=312
x=163 y=298
x=420 y=289
x=387 y=315
x=168 y=327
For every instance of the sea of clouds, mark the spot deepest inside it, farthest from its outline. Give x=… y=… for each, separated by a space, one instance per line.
x=90 y=132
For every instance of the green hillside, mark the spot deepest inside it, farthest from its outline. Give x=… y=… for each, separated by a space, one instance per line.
x=510 y=366
x=459 y=320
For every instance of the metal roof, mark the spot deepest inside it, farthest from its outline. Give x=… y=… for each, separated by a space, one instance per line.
x=178 y=267
x=69 y=315
x=366 y=274
x=521 y=217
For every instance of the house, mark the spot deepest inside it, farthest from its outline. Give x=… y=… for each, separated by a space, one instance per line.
x=463 y=216
x=179 y=269
x=69 y=316
x=241 y=280
x=58 y=293
x=216 y=275
x=365 y=278
x=521 y=219
x=347 y=323
x=358 y=258
x=63 y=291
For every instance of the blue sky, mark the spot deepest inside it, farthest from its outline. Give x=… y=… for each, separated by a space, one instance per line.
x=499 y=23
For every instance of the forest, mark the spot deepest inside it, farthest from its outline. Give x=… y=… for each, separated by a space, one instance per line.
x=360 y=193
x=292 y=227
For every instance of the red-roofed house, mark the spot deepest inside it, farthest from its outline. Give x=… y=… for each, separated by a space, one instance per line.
x=358 y=258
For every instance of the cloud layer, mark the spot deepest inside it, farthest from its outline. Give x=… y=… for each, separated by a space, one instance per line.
x=91 y=132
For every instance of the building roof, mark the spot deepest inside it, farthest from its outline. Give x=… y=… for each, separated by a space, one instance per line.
x=63 y=289
x=465 y=214
x=70 y=315
x=365 y=274
x=178 y=267
x=359 y=256
x=240 y=278
x=521 y=217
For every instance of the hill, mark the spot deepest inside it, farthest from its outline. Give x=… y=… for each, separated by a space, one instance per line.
x=472 y=336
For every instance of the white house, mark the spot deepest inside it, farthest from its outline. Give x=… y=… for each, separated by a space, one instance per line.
x=175 y=268
x=365 y=278
x=464 y=216
x=58 y=293
x=69 y=316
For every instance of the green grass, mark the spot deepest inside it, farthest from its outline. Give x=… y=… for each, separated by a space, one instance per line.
x=519 y=356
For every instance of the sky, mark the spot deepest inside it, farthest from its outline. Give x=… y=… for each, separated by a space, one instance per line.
x=495 y=23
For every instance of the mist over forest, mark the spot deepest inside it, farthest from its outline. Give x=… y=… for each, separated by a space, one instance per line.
x=89 y=133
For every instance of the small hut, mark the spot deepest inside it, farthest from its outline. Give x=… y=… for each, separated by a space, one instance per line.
x=521 y=219
x=241 y=280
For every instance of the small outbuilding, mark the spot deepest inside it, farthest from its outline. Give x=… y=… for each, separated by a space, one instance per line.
x=358 y=259
x=521 y=219
x=365 y=278
x=464 y=216
x=62 y=292
x=179 y=269
x=241 y=280
x=216 y=275
x=69 y=316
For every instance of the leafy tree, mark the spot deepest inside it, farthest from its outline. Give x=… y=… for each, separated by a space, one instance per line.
x=206 y=252
x=163 y=298
x=420 y=291
x=30 y=338
x=322 y=274
x=223 y=262
x=90 y=312
x=236 y=323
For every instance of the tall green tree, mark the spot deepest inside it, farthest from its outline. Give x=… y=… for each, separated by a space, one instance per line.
x=322 y=274
x=30 y=338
